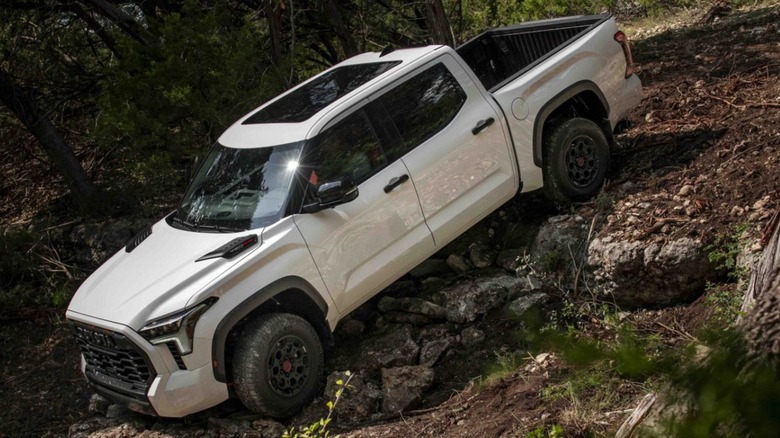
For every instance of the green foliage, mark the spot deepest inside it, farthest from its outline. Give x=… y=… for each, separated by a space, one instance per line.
x=504 y=365
x=726 y=302
x=167 y=102
x=731 y=395
x=319 y=429
x=724 y=251
x=554 y=431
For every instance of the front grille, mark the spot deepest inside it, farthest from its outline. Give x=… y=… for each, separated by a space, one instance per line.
x=113 y=361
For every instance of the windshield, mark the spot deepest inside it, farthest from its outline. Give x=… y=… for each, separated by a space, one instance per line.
x=239 y=189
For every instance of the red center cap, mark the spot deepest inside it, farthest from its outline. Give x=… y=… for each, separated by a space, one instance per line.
x=287 y=366
x=581 y=161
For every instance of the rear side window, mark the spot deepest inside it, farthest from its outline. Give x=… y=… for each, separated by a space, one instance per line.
x=349 y=148
x=423 y=105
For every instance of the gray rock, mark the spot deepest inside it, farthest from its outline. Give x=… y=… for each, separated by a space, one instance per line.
x=560 y=238
x=471 y=336
x=430 y=268
x=473 y=298
x=225 y=426
x=118 y=412
x=434 y=332
x=520 y=307
x=407 y=318
x=350 y=328
x=457 y=264
x=98 y=405
x=268 y=428
x=358 y=402
x=411 y=305
x=510 y=259
x=393 y=349
x=86 y=428
x=479 y=257
x=432 y=351
x=403 y=387
x=640 y=274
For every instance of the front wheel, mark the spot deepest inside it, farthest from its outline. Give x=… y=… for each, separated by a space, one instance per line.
x=278 y=365
x=575 y=161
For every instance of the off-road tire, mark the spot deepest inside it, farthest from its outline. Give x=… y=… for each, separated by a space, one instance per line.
x=576 y=160
x=277 y=365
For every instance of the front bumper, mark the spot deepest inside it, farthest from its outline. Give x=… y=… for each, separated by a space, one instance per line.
x=124 y=367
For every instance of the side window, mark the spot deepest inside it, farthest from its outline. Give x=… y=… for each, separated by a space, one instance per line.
x=349 y=148
x=423 y=105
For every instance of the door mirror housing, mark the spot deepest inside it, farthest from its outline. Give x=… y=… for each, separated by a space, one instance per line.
x=333 y=193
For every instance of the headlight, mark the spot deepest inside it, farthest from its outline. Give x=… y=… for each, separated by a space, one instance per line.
x=178 y=328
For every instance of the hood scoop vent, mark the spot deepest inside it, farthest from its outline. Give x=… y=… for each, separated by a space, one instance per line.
x=232 y=248
x=138 y=238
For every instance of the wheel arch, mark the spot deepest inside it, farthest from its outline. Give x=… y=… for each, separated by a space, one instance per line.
x=292 y=295
x=581 y=99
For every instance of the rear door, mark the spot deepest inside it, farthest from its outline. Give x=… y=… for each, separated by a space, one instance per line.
x=453 y=144
x=361 y=246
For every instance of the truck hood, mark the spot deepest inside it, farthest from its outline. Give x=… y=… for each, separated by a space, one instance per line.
x=157 y=278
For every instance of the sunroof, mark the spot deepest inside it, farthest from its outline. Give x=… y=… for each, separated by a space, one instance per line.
x=319 y=93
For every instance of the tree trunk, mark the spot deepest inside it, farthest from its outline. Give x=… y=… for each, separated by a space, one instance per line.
x=762 y=314
x=274 y=17
x=438 y=24
x=23 y=106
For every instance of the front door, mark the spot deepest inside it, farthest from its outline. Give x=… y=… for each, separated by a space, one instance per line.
x=362 y=246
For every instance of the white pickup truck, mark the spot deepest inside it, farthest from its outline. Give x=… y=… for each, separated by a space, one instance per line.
x=317 y=200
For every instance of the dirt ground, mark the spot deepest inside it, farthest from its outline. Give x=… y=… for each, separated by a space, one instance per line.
x=710 y=120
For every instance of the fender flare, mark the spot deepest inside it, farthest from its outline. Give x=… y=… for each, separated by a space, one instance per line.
x=251 y=304
x=555 y=103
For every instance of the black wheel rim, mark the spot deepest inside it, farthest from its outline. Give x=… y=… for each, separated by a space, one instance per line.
x=288 y=366
x=582 y=161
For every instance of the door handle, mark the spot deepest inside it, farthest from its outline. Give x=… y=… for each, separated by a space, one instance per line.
x=395 y=182
x=482 y=124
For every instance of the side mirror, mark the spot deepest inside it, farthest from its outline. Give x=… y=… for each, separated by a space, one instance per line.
x=333 y=193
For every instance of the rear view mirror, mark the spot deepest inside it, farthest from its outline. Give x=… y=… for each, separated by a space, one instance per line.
x=333 y=193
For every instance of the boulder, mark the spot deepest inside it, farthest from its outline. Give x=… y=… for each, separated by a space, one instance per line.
x=432 y=351
x=417 y=306
x=658 y=273
x=392 y=349
x=519 y=307
x=359 y=401
x=406 y=318
x=471 y=299
x=402 y=387
x=480 y=257
x=511 y=259
x=471 y=336
x=457 y=264
x=558 y=240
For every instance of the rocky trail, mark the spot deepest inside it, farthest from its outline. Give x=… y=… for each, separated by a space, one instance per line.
x=450 y=345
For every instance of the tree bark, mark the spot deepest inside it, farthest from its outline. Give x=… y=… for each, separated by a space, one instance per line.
x=762 y=314
x=274 y=17
x=438 y=24
x=61 y=155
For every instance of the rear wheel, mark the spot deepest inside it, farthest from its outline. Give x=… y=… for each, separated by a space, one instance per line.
x=575 y=161
x=278 y=365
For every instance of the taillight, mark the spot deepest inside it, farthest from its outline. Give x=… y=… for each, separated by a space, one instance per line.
x=621 y=38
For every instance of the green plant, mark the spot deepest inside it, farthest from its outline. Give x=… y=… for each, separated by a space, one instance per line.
x=319 y=429
x=554 y=431
x=726 y=302
x=724 y=250
x=505 y=364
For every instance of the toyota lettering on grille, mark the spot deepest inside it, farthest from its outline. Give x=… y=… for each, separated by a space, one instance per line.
x=96 y=338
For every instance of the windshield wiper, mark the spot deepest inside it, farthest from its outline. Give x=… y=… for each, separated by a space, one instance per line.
x=184 y=224
x=206 y=227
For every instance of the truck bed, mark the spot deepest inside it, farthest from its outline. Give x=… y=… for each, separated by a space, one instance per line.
x=499 y=55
